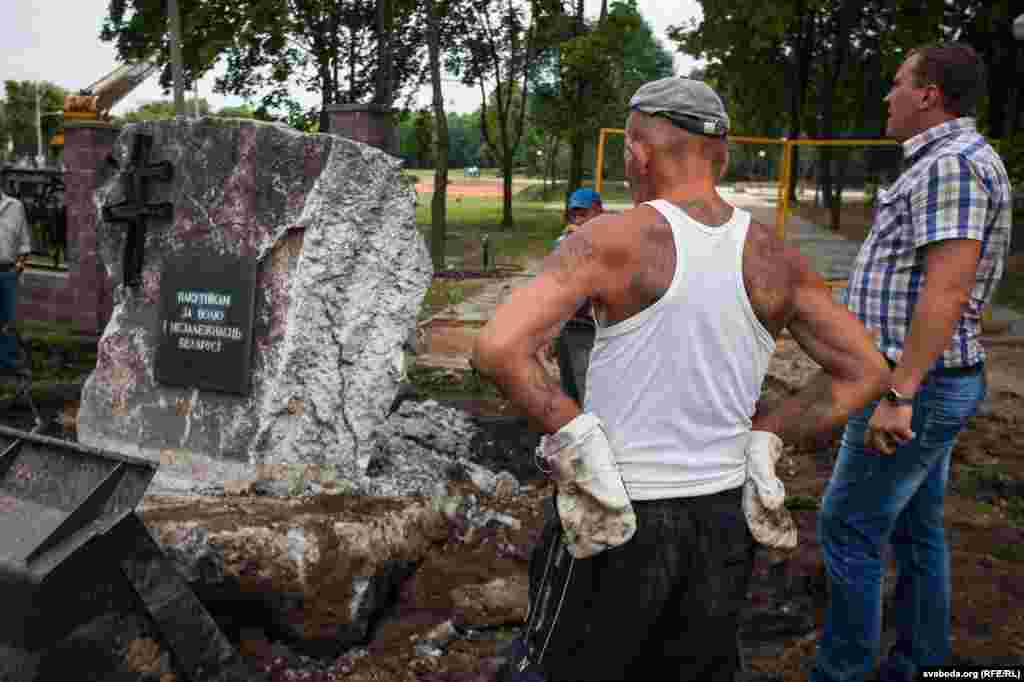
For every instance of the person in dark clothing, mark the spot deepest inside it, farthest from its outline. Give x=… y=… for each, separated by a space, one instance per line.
x=573 y=345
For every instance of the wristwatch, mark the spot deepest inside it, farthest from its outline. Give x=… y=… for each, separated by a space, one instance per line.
x=896 y=398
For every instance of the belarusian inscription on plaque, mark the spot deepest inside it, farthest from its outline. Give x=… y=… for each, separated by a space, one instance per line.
x=206 y=313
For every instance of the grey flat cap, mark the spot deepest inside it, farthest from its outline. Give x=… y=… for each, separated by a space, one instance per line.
x=688 y=103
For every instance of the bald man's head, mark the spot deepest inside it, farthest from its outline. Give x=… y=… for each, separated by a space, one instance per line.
x=667 y=141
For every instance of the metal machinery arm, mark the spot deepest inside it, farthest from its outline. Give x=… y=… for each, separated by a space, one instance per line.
x=96 y=101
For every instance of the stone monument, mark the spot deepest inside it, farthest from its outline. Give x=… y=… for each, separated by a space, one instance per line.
x=265 y=283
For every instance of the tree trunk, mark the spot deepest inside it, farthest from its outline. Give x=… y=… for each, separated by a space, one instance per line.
x=326 y=97
x=798 y=90
x=576 y=149
x=506 y=206
x=1016 y=112
x=576 y=141
x=439 y=202
x=383 y=94
x=842 y=25
x=352 y=64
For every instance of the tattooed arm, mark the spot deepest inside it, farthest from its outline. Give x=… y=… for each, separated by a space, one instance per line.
x=786 y=292
x=507 y=349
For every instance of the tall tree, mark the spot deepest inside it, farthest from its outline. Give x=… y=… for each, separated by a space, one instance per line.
x=987 y=25
x=19 y=120
x=5 y=135
x=498 y=56
x=439 y=202
x=271 y=46
x=584 y=82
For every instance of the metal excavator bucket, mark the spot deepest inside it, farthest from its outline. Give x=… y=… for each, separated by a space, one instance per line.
x=68 y=525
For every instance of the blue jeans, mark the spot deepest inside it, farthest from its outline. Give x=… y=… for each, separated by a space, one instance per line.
x=8 y=304
x=874 y=499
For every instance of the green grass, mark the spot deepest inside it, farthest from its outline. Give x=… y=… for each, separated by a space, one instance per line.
x=613 y=191
x=974 y=480
x=60 y=356
x=531 y=236
x=445 y=292
x=1015 y=510
x=449 y=383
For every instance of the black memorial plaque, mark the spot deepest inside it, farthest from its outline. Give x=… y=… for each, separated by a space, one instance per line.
x=206 y=322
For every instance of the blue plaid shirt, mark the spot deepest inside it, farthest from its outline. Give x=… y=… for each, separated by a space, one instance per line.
x=954 y=187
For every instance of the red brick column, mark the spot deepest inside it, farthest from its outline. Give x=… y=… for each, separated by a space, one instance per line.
x=82 y=296
x=370 y=123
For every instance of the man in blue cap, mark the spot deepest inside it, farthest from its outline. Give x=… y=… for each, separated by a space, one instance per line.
x=584 y=204
x=573 y=344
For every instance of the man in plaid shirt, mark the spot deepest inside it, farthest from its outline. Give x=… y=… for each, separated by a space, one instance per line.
x=931 y=263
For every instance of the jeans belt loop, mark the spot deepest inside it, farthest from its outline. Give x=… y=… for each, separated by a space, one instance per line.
x=949 y=371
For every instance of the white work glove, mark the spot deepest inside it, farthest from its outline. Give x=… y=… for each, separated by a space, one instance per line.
x=764 y=496
x=592 y=501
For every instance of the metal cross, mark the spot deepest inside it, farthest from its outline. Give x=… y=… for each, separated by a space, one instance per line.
x=135 y=208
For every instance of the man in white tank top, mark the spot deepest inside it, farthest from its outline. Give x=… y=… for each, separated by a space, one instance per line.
x=689 y=295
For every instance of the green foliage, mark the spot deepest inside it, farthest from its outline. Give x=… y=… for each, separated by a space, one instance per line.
x=18 y=122
x=1011 y=290
x=989 y=478
x=644 y=57
x=463 y=140
x=5 y=134
x=423 y=136
x=242 y=111
x=585 y=81
x=498 y=53
x=1011 y=149
x=162 y=110
x=822 y=67
x=1014 y=553
x=455 y=294
x=802 y=503
x=1015 y=510
x=448 y=383
x=271 y=47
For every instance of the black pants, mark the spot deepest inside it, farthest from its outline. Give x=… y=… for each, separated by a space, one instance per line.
x=666 y=603
x=573 y=346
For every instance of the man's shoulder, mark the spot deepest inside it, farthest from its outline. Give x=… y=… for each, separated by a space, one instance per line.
x=616 y=230
x=766 y=242
x=974 y=162
x=772 y=260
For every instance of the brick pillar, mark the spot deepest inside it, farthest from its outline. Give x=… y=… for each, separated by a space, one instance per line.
x=370 y=123
x=87 y=145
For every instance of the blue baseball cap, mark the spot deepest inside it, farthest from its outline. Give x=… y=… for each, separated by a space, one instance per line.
x=584 y=197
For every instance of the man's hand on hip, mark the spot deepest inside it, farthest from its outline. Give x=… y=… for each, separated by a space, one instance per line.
x=889 y=427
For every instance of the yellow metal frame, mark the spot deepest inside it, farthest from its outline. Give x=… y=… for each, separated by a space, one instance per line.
x=782 y=212
x=599 y=171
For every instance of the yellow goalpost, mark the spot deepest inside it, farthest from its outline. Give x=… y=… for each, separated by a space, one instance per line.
x=785 y=173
